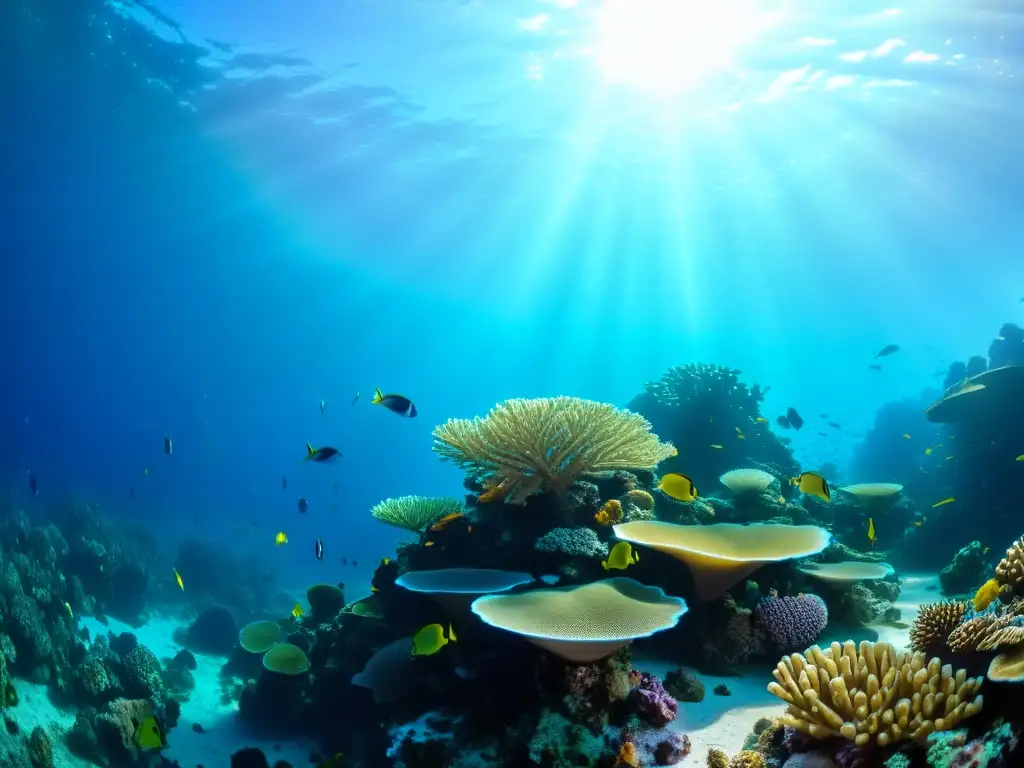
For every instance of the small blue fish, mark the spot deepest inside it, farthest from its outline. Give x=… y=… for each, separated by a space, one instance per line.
x=326 y=453
x=168 y=445
x=355 y=399
x=284 y=482
x=550 y=579
x=319 y=549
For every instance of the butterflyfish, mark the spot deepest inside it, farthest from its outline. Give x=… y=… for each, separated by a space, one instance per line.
x=281 y=538
x=149 y=734
x=431 y=639
x=986 y=595
x=678 y=486
x=944 y=502
x=621 y=557
x=177 y=578
x=397 y=404
x=297 y=611
x=813 y=484
x=871 y=531
x=326 y=453
x=610 y=513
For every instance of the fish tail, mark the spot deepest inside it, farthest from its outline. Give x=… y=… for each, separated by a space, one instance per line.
x=310 y=452
x=604 y=564
x=451 y=635
x=377 y=396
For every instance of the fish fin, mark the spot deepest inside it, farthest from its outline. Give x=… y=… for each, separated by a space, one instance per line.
x=377 y=396
x=604 y=564
x=451 y=635
x=310 y=452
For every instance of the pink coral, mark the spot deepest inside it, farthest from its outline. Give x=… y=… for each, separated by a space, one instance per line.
x=652 y=702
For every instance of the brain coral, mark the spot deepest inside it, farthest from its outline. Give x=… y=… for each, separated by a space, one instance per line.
x=791 y=623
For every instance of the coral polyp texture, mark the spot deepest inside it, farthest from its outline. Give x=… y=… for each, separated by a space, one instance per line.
x=791 y=622
x=544 y=444
x=682 y=383
x=989 y=631
x=1010 y=571
x=414 y=513
x=934 y=623
x=583 y=623
x=872 y=693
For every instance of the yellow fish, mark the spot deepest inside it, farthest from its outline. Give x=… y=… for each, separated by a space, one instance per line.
x=281 y=538
x=927 y=451
x=67 y=607
x=177 y=578
x=906 y=436
x=986 y=594
x=917 y=523
x=385 y=561
x=621 y=557
x=949 y=458
x=149 y=734
x=985 y=551
x=739 y=434
x=610 y=513
x=297 y=611
x=945 y=501
x=871 y=531
x=679 y=487
x=431 y=639
x=1020 y=458
x=781 y=499
x=760 y=420
x=718 y=447
x=813 y=484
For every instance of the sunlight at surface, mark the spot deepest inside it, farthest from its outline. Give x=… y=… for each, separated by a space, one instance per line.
x=667 y=45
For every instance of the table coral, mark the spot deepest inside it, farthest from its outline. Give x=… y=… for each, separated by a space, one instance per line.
x=872 y=693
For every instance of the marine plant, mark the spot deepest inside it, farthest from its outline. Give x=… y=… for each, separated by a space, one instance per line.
x=414 y=513
x=532 y=445
x=873 y=693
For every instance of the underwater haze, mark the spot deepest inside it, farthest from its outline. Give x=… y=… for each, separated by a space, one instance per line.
x=227 y=224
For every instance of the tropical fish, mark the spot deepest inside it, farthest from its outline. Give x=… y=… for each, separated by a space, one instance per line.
x=871 y=531
x=887 y=350
x=303 y=505
x=813 y=484
x=32 y=484
x=835 y=425
x=781 y=499
x=610 y=513
x=145 y=471
x=739 y=434
x=149 y=734
x=425 y=544
x=822 y=434
x=326 y=453
x=621 y=557
x=297 y=611
x=355 y=397
x=678 y=486
x=948 y=500
x=918 y=523
x=284 y=482
x=550 y=579
x=344 y=561
x=385 y=561
x=492 y=490
x=949 y=458
x=906 y=436
x=177 y=578
x=760 y=420
x=318 y=549
x=71 y=614
x=397 y=404
x=441 y=524
x=875 y=367
x=717 y=447
x=986 y=595
x=1020 y=458
x=431 y=639
x=322 y=404
x=168 y=445
x=281 y=538
x=792 y=419
x=928 y=451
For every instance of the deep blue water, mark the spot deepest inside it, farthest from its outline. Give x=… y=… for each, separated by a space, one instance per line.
x=213 y=218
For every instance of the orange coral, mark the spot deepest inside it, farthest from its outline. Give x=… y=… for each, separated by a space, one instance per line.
x=611 y=513
x=627 y=756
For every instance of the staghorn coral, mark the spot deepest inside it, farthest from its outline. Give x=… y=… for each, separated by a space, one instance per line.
x=872 y=693
x=1010 y=571
x=790 y=623
x=934 y=622
x=544 y=444
x=414 y=513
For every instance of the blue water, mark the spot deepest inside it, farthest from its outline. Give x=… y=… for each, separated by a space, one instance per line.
x=215 y=217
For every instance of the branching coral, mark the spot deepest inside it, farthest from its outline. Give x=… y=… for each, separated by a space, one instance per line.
x=874 y=693
x=687 y=382
x=1010 y=571
x=934 y=623
x=414 y=513
x=530 y=446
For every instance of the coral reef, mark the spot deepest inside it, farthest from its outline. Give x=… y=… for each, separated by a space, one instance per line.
x=967 y=570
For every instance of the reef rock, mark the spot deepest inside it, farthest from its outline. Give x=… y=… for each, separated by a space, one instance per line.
x=966 y=572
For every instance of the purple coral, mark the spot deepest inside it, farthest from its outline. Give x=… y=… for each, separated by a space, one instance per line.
x=654 y=705
x=791 y=623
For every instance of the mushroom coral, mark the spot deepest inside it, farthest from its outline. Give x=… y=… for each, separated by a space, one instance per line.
x=286 y=659
x=720 y=555
x=976 y=395
x=872 y=693
x=848 y=572
x=583 y=623
x=869 y=491
x=260 y=636
x=1008 y=667
x=462 y=581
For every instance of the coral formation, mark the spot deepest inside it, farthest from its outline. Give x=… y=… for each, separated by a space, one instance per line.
x=790 y=623
x=1010 y=570
x=933 y=624
x=414 y=513
x=967 y=570
x=872 y=693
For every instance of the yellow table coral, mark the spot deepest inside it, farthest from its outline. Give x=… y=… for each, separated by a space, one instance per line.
x=872 y=693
